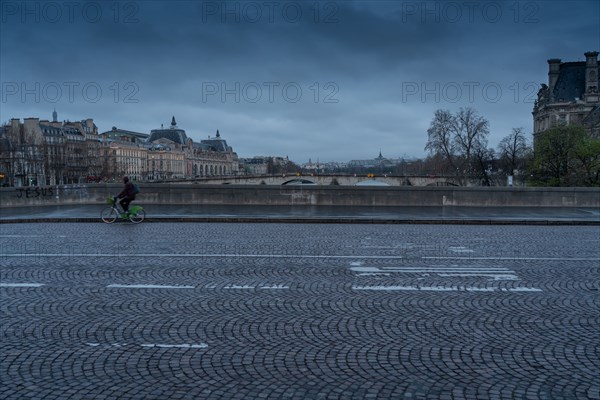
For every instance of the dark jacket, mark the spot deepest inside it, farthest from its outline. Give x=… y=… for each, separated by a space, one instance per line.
x=128 y=191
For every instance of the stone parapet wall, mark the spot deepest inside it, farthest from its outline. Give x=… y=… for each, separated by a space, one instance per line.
x=307 y=195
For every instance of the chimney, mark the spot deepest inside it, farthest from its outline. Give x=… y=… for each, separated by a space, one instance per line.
x=591 y=76
x=15 y=126
x=553 y=72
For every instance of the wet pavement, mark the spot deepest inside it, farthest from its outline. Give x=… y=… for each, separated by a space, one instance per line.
x=206 y=213
x=299 y=311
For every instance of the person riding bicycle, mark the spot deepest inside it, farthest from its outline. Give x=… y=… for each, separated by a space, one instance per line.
x=127 y=195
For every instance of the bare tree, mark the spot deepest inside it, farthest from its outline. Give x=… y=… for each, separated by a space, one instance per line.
x=470 y=136
x=25 y=154
x=55 y=159
x=440 y=136
x=514 y=151
x=458 y=138
x=483 y=158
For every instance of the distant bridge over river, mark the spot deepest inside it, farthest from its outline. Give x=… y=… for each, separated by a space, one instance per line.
x=331 y=179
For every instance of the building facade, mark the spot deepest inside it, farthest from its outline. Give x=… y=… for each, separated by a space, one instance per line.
x=570 y=97
x=262 y=165
x=380 y=162
x=168 y=153
x=212 y=156
x=41 y=152
x=173 y=155
x=123 y=153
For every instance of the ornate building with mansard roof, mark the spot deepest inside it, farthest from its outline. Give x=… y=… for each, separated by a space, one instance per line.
x=42 y=152
x=570 y=97
x=208 y=157
x=171 y=154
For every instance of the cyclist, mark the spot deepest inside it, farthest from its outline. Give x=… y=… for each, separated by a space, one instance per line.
x=127 y=195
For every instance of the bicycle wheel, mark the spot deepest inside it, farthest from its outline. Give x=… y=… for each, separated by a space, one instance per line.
x=137 y=217
x=109 y=215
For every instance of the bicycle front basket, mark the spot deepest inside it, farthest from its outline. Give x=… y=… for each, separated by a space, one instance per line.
x=109 y=200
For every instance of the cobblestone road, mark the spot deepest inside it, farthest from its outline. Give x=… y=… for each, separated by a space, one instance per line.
x=246 y=311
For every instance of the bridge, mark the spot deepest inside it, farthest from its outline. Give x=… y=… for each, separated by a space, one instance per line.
x=331 y=179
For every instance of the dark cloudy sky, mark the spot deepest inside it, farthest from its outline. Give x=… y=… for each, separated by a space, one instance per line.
x=325 y=80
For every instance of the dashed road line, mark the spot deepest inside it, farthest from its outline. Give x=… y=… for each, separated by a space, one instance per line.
x=496 y=273
x=444 y=289
x=151 y=345
x=239 y=287
x=497 y=277
x=432 y=269
x=511 y=258
x=20 y=236
x=274 y=287
x=118 y=286
x=22 y=285
x=296 y=256
x=171 y=255
x=231 y=286
x=175 y=346
x=460 y=249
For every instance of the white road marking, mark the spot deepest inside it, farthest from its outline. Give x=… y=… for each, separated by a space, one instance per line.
x=153 y=345
x=299 y=256
x=118 y=286
x=497 y=277
x=176 y=346
x=29 y=236
x=140 y=286
x=444 y=271
x=456 y=270
x=373 y=274
x=356 y=263
x=443 y=289
x=512 y=258
x=382 y=247
x=460 y=249
x=448 y=267
x=19 y=236
x=239 y=287
x=365 y=269
x=275 y=287
x=21 y=285
x=172 y=255
x=448 y=270
x=402 y=288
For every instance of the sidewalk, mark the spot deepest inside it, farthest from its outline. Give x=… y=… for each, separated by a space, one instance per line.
x=313 y=214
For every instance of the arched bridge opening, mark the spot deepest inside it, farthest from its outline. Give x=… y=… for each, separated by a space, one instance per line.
x=298 y=182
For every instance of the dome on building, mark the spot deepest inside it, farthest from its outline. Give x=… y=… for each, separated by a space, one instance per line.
x=216 y=143
x=173 y=133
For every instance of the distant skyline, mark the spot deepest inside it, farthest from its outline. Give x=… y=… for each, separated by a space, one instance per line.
x=333 y=81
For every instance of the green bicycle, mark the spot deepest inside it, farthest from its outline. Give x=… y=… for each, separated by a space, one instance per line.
x=110 y=214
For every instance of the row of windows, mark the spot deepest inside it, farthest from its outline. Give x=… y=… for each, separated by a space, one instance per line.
x=550 y=121
x=210 y=170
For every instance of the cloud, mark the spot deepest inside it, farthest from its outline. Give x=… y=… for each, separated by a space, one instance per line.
x=334 y=80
